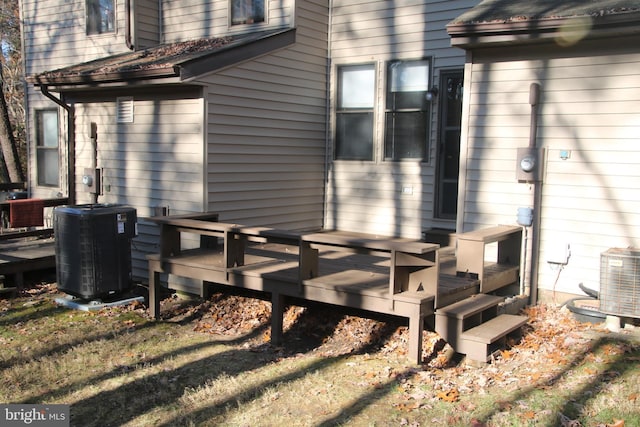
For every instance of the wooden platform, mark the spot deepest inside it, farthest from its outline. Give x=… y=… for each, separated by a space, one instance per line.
x=23 y=254
x=380 y=274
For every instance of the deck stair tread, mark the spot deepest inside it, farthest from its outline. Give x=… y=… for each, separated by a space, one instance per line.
x=448 y=284
x=494 y=329
x=470 y=306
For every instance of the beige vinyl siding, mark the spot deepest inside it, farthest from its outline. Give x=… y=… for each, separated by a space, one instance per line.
x=147 y=23
x=54 y=35
x=590 y=107
x=266 y=132
x=394 y=198
x=189 y=19
x=153 y=162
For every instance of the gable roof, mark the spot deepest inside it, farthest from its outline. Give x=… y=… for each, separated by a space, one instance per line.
x=176 y=62
x=528 y=21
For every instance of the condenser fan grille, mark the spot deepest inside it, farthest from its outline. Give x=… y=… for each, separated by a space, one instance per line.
x=620 y=282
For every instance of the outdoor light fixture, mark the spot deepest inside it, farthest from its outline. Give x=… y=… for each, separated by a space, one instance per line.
x=431 y=94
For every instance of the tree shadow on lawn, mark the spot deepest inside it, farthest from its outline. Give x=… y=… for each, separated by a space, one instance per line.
x=582 y=395
x=26 y=313
x=303 y=345
x=164 y=389
x=25 y=357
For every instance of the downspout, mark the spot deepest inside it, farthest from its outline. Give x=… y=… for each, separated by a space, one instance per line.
x=327 y=120
x=127 y=24
x=71 y=144
x=534 y=99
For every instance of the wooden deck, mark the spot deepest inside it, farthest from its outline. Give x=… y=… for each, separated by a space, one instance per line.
x=380 y=274
x=26 y=253
x=29 y=247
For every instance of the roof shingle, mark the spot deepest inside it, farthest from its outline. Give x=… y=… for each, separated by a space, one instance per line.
x=490 y=11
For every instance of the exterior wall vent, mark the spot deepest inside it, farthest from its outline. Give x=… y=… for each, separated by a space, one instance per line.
x=124 y=107
x=620 y=282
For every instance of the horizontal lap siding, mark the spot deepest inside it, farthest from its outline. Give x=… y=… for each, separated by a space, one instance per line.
x=147 y=23
x=369 y=197
x=154 y=161
x=266 y=132
x=191 y=19
x=55 y=35
x=590 y=107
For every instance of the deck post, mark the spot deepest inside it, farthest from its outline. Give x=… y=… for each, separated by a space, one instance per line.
x=277 y=313
x=416 y=327
x=154 y=291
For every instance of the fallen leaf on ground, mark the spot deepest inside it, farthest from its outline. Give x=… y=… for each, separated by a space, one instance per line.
x=449 y=396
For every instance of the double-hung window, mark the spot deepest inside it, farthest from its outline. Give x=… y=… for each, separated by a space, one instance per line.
x=47 y=158
x=355 y=112
x=247 y=12
x=407 y=110
x=100 y=16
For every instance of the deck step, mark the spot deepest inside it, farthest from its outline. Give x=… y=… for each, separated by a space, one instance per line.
x=481 y=342
x=452 y=289
x=470 y=306
x=494 y=329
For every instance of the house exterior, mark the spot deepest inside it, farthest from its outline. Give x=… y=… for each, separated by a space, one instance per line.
x=298 y=114
x=585 y=57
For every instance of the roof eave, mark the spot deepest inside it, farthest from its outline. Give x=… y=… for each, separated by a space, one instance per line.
x=176 y=72
x=94 y=79
x=470 y=35
x=231 y=55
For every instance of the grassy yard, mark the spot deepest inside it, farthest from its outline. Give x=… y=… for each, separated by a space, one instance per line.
x=210 y=363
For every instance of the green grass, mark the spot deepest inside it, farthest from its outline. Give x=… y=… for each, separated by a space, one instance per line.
x=119 y=367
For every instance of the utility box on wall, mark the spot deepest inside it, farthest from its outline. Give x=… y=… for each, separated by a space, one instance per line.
x=529 y=164
x=93 y=249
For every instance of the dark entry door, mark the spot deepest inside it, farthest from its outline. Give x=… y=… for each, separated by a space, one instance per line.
x=449 y=143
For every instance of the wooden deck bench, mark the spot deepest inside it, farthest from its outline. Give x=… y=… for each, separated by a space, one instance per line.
x=291 y=264
x=471 y=256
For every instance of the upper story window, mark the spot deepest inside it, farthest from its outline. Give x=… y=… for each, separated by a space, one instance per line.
x=47 y=158
x=407 y=110
x=355 y=112
x=100 y=16
x=247 y=11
